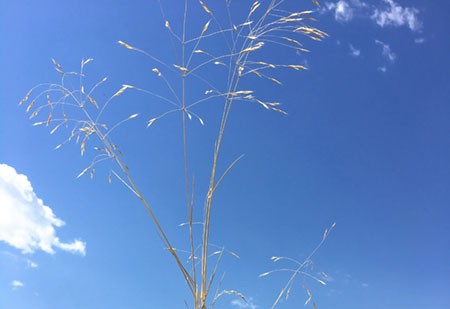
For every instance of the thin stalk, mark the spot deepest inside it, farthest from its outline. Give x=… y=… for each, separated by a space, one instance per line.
x=185 y=156
x=135 y=189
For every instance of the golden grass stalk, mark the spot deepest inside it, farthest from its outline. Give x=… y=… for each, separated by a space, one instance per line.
x=244 y=40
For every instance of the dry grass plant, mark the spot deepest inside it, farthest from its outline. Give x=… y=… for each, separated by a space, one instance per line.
x=78 y=111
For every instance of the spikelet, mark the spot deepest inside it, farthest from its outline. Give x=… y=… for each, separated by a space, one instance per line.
x=155 y=70
x=126 y=45
x=207 y=10
x=309 y=296
x=274 y=80
x=132 y=116
x=303 y=50
x=309 y=31
x=87 y=129
x=257 y=73
x=182 y=69
x=50 y=115
x=273 y=103
x=253 y=48
x=25 y=98
x=57 y=65
x=188 y=114
x=278 y=110
x=254 y=7
x=91 y=99
x=292 y=40
x=86 y=61
x=297 y=67
x=205 y=27
x=264 y=274
x=151 y=121
x=325 y=234
x=240 y=70
x=83 y=172
x=263 y=104
x=241 y=92
x=247 y=23
x=83 y=146
x=267 y=64
x=121 y=90
x=30 y=106
x=56 y=128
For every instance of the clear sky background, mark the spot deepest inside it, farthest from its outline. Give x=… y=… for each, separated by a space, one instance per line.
x=366 y=144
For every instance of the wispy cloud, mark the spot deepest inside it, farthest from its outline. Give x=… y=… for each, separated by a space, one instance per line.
x=15 y=284
x=395 y=15
x=419 y=40
x=341 y=9
x=19 y=259
x=385 y=13
x=31 y=264
x=240 y=303
x=386 y=51
x=354 y=51
x=25 y=222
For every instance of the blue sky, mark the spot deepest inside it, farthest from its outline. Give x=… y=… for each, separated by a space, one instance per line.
x=366 y=144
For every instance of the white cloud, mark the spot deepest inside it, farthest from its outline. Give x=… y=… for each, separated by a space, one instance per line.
x=17 y=284
x=342 y=10
x=386 y=51
x=31 y=264
x=354 y=51
x=19 y=259
x=382 y=69
x=240 y=303
x=419 y=40
x=365 y=285
x=25 y=222
x=396 y=15
x=389 y=13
